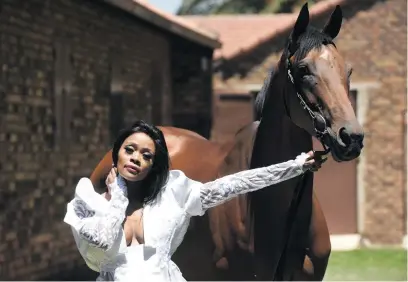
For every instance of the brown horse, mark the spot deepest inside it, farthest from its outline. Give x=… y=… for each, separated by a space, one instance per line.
x=277 y=233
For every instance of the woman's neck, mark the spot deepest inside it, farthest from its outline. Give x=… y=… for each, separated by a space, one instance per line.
x=134 y=192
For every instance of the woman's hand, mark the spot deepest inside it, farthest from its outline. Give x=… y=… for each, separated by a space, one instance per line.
x=110 y=179
x=111 y=176
x=115 y=180
x=314 y=161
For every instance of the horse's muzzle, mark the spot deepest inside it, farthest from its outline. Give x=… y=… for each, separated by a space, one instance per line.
x=345 y=147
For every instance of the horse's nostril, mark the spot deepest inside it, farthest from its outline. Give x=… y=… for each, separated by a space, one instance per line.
x=345 y=136
x=349 y=137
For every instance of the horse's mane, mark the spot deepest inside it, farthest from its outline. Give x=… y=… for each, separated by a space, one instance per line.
x=260 y=98
x=311 y=39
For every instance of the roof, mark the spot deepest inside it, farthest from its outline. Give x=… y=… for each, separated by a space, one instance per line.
x=242 y=33
x=168 y=22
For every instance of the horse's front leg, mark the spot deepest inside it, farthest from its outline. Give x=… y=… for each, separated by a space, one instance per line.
x=318 y=253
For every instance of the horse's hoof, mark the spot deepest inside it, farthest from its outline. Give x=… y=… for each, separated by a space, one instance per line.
x=222 y=263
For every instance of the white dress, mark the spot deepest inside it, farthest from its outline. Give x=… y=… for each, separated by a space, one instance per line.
x=97 y=223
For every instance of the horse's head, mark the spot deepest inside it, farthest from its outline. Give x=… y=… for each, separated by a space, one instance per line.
x=320 y=102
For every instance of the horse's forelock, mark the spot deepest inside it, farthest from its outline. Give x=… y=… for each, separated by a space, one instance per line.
x=311 y=39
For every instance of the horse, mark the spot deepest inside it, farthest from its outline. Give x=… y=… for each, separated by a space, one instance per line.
x=277 y=233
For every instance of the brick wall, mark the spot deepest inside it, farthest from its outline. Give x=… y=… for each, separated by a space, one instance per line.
x=374 y=40
x=192 y=87
x=72 y=72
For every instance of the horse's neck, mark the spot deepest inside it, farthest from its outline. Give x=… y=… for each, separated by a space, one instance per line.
x=278 y=138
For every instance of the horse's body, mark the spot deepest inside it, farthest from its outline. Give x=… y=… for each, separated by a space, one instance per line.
x=276 y=233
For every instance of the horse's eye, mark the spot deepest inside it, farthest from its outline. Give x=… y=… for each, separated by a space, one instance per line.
x=303 y=71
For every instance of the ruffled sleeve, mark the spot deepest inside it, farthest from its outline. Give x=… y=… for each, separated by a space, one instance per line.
x=200 y=197
x=97 y=223
x=186 y=192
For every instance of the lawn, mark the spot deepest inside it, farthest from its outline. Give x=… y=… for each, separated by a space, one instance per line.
x=365 y=264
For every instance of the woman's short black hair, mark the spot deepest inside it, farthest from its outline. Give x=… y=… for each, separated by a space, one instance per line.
x=159 y=173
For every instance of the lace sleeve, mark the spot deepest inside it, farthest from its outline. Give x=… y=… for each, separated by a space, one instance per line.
x=223 y=189
x=103 y=231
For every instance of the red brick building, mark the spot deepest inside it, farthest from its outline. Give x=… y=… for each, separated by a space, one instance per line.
x=72 y=73
x=364 y=200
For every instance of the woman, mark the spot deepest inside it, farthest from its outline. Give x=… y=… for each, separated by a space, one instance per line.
x=131 y=231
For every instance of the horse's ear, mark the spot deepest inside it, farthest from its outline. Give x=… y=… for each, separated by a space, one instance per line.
x=300 y=27
x=301 y=23
x=333 y=26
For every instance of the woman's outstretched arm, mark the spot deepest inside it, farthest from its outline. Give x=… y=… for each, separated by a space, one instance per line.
x=223 y=189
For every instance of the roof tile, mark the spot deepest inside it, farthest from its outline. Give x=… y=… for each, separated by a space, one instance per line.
x=241 y=33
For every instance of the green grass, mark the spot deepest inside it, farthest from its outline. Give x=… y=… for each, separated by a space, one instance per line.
x=368 y=264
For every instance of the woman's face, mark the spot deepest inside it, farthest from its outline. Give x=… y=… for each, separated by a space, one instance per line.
x=136 y=156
